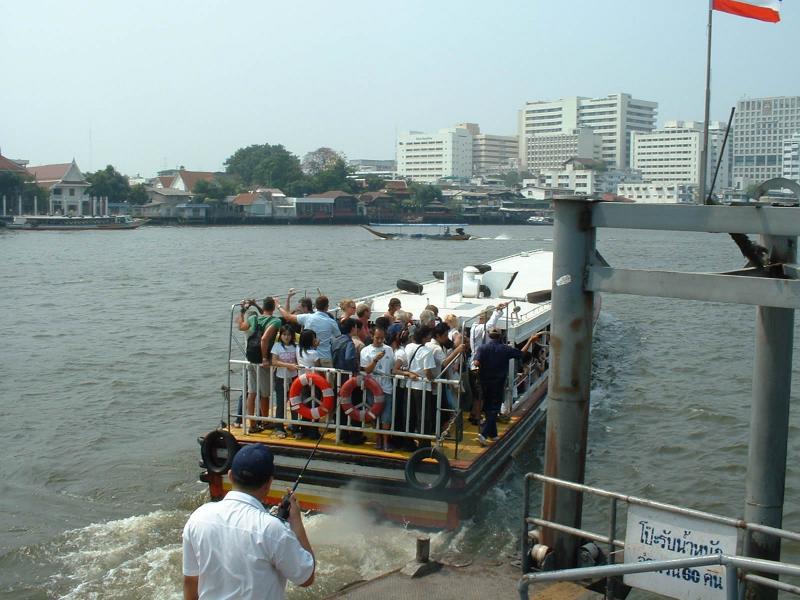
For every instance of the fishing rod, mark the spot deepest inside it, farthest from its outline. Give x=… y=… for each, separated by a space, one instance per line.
x=283 y=508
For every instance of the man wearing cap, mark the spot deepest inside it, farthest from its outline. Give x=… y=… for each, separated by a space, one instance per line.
x=235 y=549
x=478 y=335
x=491 y=359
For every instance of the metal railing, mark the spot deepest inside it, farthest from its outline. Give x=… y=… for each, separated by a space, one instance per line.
x=612 y=543
x=732 y=565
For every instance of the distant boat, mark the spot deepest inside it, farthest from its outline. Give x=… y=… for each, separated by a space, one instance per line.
x=452 y=232
x=540 y=220
x=62 y=223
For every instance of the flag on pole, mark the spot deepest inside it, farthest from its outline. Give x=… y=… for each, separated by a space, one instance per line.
x=763 y=10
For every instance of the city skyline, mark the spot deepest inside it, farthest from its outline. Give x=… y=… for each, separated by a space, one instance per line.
x=152 y=86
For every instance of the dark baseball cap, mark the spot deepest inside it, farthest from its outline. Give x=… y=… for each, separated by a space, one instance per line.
x=253 y=465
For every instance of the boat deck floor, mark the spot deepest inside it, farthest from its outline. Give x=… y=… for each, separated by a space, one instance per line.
x=468 y=448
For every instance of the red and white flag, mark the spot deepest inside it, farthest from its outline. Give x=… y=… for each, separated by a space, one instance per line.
x=763 y=10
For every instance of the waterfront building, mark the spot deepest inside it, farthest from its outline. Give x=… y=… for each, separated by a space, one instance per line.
x=590 y=177
x=760 y=127
x=671 y=154
x=187 y=180
x=552 y=150
x=791 y=158
x=429 y=157
x=327 y=205
x=253 y=204
x=66 y=185
x=163 y=203
x=613 y=118
x=658 y=193
x=491 y=154
x=14 y=166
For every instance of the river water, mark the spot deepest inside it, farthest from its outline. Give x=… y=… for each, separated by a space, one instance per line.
x=113 y=352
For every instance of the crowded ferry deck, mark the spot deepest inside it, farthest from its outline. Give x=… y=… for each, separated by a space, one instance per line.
x=413 y=453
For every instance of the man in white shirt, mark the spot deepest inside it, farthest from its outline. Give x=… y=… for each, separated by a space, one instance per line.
x=478 y=336
x=235 y=549
x=444 y=355
x=422 y=363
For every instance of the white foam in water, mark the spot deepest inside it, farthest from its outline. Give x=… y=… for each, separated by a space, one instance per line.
x=127 y=558
x=503 y=236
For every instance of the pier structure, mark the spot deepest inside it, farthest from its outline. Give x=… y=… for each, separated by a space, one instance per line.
x=770 y=281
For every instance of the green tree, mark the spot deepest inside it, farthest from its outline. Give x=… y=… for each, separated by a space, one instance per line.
x=334 y=177
x=216 y=190
x=422 y=194
x=374 y=183
x=15 y=184
x=110 y=183
x=266 y=165
x=138 y=195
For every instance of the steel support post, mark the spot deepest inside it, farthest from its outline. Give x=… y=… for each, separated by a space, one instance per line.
x=769 y=421
x=570 y=373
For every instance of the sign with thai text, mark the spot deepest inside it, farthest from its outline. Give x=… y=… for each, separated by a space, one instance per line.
x=452 y=284
x=653 y=534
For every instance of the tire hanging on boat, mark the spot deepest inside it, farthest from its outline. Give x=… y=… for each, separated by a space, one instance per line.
x=309 y=411
x=415 y=461
x=372 y=412
x=215 y=461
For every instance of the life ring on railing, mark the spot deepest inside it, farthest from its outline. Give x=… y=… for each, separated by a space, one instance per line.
x=414 y=463
x=354 y=412
x=217 y=450
x=309 y=411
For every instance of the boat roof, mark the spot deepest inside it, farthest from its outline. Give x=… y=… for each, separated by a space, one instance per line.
x=510 y=279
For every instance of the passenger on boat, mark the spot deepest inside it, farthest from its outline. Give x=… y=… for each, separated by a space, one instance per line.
x=235 y=549
x=346 y=358
x=453 y=334
x=258 y=376
x=363 y=313
x=378 y=360
x=435 y=310
x=355 y=334
x=284 y=357
x=347 y=308
x=427 y=318
x=444 y=355
x=399 y=329
x=477 y=337
x=491 y=360
x=394 y=306
x=307 y=356
x=422 y=364
x=321 y=323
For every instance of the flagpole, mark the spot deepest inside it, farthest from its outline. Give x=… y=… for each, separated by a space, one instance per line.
x=701 y=183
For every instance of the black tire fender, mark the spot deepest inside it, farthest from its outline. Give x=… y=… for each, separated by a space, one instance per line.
x=409 y=286
x=215 y=461
x=483 y=268
x=414 y=462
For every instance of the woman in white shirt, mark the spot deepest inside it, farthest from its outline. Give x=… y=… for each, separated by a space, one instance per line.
x=307 y=356
x=284 y=356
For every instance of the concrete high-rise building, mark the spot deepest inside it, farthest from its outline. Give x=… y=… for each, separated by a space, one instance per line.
x=613 y=118
x=428 y=157
x=672 y=154
x=491 y=154
x=552 y=150
x=791 y=158
x=760 y=127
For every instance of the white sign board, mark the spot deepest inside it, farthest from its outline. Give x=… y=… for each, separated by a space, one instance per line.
x=452 y=284
x=653 y=534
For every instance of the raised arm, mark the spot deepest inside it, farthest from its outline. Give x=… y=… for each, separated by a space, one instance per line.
x=452 y=357
x=289 y=296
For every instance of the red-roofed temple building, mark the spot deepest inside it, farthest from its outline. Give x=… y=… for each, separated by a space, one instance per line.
x=66 y=185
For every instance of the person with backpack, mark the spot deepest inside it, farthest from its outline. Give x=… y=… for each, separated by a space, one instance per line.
x=261 y=331
x=345 y=358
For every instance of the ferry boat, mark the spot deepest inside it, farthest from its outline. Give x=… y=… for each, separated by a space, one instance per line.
x=67 y=223
x=436 y=487
x=446 y=232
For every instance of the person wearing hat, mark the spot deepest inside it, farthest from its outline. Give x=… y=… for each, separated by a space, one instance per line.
x=491 y=360
x=235 y=549
x=478 y=335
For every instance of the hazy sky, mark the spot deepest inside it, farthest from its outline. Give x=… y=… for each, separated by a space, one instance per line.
x=148 y=85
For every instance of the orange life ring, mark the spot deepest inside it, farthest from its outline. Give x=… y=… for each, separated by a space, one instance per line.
x=354 y=412
x=310 y=410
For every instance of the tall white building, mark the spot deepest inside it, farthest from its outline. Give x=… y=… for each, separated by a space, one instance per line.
x=791 y=158
x=613 y=118
x=552 y=150
x=760 y=127
x=428 y=157
x=672 y=154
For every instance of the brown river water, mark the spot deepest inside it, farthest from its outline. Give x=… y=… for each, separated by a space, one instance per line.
x=113 y=352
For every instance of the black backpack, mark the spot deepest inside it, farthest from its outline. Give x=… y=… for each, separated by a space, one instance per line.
x=253 y=352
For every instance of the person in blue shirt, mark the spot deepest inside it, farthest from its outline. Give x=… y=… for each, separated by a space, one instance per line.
x=321 y=323
x=491 y=359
